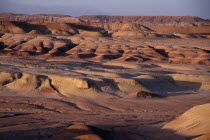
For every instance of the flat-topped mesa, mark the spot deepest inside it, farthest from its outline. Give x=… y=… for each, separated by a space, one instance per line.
x=146 y=20
x=112 y=26
x=39 y=18
x=136 y=19
x=149 y=21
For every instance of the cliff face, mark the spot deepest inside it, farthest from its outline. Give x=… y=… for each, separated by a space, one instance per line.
x=39 y=18
x=138 y=19
x=69 y=28
x=148 y=20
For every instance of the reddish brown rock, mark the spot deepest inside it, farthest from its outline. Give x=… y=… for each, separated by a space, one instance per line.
x=142 y=95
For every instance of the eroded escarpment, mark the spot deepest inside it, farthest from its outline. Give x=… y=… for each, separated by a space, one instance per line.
x=103 y=41
x=115 y=30
x=150 y=21
x=48 y=95
x=88 y=78
x=44 y=84
x=56 y=74
x=185 y=51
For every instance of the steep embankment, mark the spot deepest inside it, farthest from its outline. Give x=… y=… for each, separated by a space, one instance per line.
x=194 y=122
x=166 y=24
x=89 y=79
x=68 y=29
x=37 y=28
x=128 y=30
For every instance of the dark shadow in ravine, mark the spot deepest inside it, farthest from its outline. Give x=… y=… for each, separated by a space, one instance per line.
x=106 y=132
x=27 y=27
x=86 y=26
x=169 y=85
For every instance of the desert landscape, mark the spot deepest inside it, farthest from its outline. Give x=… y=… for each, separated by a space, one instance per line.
x=104 y=77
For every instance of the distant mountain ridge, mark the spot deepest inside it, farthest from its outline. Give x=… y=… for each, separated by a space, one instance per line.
x=39 y=18
x=137 y=19
x=149 y=21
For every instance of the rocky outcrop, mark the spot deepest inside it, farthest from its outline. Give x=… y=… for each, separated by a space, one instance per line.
x=128 y=30
x=35 y=28
x=148 y=21
x=33 y=45
x=84 y=29
x=142 y=95
x=92 y=45
x=98 y=83
x=39 y=18
x=203 y=80
x=112 y=26
x=64 y=78
x=131 y=19
x=10 y=27
x=47 y=85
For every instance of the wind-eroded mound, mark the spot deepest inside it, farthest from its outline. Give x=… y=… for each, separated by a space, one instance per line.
x=47 y=85
x=10 y=27
x=194 y=122
x=26 y=45
x=37 y=28
x=83 y=29
x=112 y=26
x=93 y=46
x=80 y=132
x=124 y=30
x=43 y=81
x=66 y=86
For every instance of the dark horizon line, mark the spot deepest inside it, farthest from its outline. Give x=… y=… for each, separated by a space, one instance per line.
x=101 y=15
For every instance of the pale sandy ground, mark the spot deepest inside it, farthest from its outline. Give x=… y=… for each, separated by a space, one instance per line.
x=40 y=97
